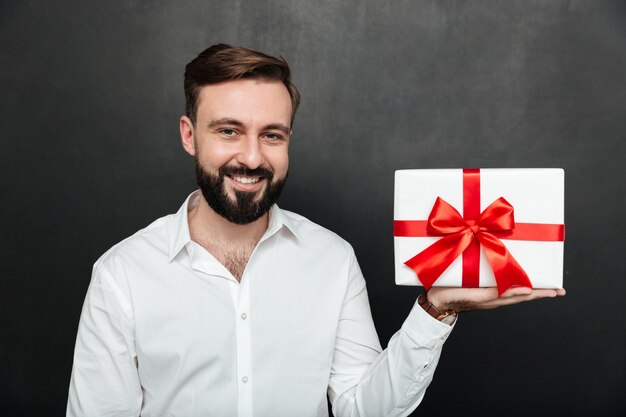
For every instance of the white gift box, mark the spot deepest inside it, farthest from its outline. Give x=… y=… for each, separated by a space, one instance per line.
x=536 y=195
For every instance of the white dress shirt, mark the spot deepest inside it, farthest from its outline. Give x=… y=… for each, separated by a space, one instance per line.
x=166 y=330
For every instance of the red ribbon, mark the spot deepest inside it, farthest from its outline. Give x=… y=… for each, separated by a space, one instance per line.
x=466 y=234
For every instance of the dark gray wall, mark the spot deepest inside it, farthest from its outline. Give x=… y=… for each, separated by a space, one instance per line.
x=90 y=95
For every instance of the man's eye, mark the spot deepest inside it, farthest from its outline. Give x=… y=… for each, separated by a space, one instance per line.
x=228 y=132
x=273 y=136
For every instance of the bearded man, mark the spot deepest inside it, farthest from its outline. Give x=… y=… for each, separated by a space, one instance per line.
x=235 y=307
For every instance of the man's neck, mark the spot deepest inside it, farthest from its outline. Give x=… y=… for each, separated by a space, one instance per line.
x=230 y=243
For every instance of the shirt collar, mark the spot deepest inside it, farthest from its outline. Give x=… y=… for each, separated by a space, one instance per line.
x=277 y=220
x=179 y=226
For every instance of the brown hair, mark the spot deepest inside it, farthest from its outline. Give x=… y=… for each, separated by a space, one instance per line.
x=222 y=62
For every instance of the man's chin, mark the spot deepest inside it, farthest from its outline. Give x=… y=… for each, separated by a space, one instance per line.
x=235 y=196
x=238 y=202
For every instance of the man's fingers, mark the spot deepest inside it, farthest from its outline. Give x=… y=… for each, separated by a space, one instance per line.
x=517 y=296
x=463 y=299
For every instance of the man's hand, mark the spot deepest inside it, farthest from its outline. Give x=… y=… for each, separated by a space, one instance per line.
x=465 y=299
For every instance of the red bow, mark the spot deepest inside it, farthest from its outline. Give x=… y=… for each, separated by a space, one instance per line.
x=458 y=233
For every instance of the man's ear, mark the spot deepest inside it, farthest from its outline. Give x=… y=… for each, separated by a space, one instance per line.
x=187 y=135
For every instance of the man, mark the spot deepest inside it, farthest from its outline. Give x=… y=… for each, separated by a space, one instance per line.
x=234 y=307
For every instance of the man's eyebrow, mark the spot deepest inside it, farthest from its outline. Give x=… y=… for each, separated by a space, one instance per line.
x=224 y=121
x=234 y=122
x=278 y=126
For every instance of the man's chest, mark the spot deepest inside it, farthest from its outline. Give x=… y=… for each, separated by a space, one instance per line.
x=189 y=318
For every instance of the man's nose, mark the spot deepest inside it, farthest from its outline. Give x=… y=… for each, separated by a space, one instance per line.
x=250 y=153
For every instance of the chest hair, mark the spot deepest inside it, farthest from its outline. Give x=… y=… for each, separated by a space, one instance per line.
x=234 y=258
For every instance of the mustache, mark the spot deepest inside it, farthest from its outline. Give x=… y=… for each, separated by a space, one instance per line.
x=245 y=171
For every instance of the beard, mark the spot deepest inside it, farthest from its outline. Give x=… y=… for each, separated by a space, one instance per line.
x=248 y=206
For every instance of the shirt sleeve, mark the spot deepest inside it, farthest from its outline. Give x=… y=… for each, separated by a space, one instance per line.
x=367 y=382
x=104 y=379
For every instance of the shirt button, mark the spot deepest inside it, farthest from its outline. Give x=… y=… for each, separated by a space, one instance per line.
x=244 y=379
x=244 y=316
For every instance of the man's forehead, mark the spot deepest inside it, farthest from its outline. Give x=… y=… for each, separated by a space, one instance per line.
x=244 y=98
x=250 y=88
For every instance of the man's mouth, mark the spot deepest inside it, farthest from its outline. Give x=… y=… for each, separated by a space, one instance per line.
x=246 y=180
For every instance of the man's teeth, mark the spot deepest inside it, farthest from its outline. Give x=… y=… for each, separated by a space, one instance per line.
x=246 y=180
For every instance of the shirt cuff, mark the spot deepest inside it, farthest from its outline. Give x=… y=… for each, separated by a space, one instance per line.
x=423 y=328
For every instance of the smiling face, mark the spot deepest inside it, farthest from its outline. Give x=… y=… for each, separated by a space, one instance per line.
x=240 y=142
